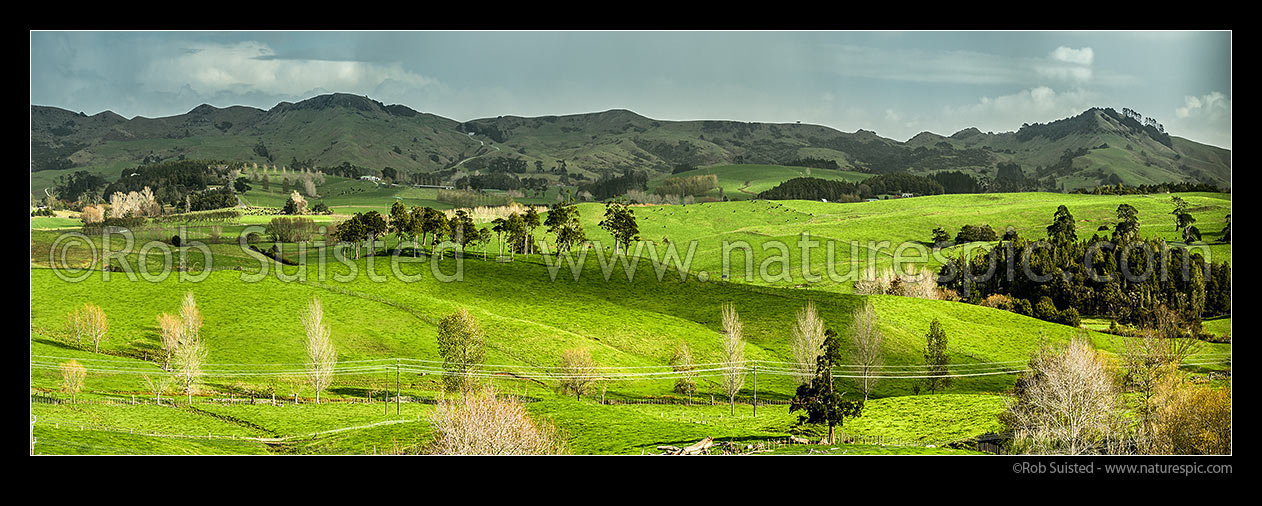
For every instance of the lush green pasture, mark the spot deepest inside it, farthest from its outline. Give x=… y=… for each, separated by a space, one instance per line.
x=865 y=232
x=54 y=222
x=1217 y=326
x=72 y=441
x=862 y=449
x=931 y=419
x=636 y=323
x=823 y=246
x=532 y=313
x=338 y=192
x=624 y=323
x=589 y=427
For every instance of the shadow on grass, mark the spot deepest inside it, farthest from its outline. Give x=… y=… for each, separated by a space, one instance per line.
x=56 y=343
x=742 y=440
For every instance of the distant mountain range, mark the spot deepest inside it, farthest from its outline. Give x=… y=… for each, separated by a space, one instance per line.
x=1097 y=146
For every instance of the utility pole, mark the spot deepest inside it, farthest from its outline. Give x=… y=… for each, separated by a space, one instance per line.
x=397 y=391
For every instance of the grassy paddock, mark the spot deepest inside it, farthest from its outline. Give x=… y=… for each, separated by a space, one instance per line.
x=531 y=318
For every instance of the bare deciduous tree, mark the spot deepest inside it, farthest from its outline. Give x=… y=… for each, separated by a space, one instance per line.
x=78 y=326
x=300 y=204
x=309 y=186
x=188 y=358
x=95 y=325
x=807 y=337
x=870 y=283
x=483 y=423
x=133 y=203
x=1067 y=403
x=170 y=329
x=72 y=377
x=578 y=372
x=1151 y=355
x=191 y=318
x=157 y=386
x=866 y=353
x=92 y=214
x=681 y=363
x=922 y=285
x=321 y=354
x=733 y=347
x=462 y=344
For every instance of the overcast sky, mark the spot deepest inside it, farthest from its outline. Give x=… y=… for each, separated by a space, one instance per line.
x=896 y=83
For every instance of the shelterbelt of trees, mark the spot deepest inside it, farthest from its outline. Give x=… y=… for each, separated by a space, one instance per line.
x=1009 y=179
x=1123 y=276
x=810 y=188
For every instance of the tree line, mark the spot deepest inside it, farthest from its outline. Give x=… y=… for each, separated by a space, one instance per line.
x=1148 y=189
x=1086 y=275
x=811 y=188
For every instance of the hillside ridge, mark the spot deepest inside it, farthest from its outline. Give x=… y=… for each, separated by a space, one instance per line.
x=1098 y=146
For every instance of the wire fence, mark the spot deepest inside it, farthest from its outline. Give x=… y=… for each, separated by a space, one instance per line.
x=179 y=401
x=842 y=437
x=541 y=373
x=58 y=423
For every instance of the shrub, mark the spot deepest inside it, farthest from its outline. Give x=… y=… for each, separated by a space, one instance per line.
x=92 y=215
x=1022 y=307
x=1067 y=403
x=1045 y=310
x=284 y=229
x=971 y=233
x=483 y=423
x=1070 y=317
x=1191 y=419
x=997 y=301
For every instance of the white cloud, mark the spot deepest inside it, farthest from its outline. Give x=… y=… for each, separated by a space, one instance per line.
x=253 y=67
x=1082 y=56
x=1061 y=65
x=1205 y=118
x=1212 y=105
x=1067 y=64
x=916 y=65
x=1007 y=112
x=1074 y=73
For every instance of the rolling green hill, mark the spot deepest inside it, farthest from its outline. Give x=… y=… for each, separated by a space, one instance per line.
x=331 y=129
x=531 y=317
